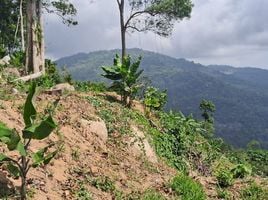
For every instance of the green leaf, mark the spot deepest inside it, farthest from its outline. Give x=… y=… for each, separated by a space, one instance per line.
x=29 y=113
x=4 y=158
x=40 y=131
x=9 y=137
x=40 y=158
x=21 y=149
x=13 y=170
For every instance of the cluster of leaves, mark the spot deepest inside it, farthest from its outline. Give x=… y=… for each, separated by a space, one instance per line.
x=125 y=76
x=254 y=192
x=154 y=99
x=182 y=144
x=34 y=130
x=8 y=20
x=258 y=159
x=17 y=59
x=157 y=16
x=226 y=171
x=186 y=188
x=208 y=108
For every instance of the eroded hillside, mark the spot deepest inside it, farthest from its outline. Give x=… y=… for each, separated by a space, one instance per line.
x=113 y=152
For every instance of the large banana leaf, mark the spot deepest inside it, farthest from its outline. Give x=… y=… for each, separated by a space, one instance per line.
x=40 y=131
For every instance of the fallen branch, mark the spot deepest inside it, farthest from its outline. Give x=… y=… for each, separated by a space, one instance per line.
x=30 y=77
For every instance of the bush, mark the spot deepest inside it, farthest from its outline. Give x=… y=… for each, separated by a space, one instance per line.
x=52 y=76
x=254 y=192
x=225 y=178
x=223 y=194
x=155 y=99
x=187 y=189
x=258 y=159
x=18 y=59
x=86 y=86
x=241 y=171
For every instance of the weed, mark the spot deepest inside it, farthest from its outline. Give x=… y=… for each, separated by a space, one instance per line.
x=75 y=154
x=254 y=192
x=104 y=184
x=152 y=195
x=225 y=178
x=186 y=188
x=223 y=194
x=82 y=193
x=241 y=171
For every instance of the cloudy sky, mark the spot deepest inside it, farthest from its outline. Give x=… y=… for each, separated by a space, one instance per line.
x=228 y=32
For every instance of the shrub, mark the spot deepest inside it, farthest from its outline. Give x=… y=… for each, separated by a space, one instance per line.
x=18 y=166
x=186 y=188
x=254 y=192
x=86 y=86
x=240 y=171
x=52 y=76
x=154 y=99
x=223 y=194
x=225 y=178
x=258 y=159
x=17 y=59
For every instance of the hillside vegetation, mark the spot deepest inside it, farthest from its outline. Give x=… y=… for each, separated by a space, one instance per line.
x=111 y=151
x=240 y=94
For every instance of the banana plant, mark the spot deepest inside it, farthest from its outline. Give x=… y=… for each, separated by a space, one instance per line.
x=125 y=76
x=19 y=166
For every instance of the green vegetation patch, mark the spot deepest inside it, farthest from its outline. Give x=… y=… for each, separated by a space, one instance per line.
x=186 y=188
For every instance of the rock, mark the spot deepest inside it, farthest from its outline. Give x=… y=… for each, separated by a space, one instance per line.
x=139 y=145
x=15 y=91
x=97 y=127
x=62 y=87
x=5 y=60
x=11 y=71
x=94 y=170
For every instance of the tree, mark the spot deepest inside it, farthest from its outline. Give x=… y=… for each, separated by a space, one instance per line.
x=14 y=14
x=8 y=21
x=35 y=59
x=208 y=108
x=157 y=16
x=125 y=76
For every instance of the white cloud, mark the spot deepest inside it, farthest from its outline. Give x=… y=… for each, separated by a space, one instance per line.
x=219 y=32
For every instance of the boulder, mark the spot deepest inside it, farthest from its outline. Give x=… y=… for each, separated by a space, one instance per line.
x=62 y=87
x=5 y=60
x=96 y=127
x=11 y=71
x=139 y=145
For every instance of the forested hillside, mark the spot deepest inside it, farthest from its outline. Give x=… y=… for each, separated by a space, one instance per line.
x=241 y=99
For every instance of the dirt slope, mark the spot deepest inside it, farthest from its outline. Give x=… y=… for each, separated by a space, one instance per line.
x=88 y=157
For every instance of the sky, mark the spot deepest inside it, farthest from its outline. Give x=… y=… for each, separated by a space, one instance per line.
x=230 y=32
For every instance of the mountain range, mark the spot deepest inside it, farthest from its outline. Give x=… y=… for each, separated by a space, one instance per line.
x=240 y=94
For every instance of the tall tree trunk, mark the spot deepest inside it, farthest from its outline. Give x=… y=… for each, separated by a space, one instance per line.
x=35 y=41
x=22 y=27
x=123 y=28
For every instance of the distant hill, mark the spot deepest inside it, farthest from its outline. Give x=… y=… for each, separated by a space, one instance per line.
x=240 y=94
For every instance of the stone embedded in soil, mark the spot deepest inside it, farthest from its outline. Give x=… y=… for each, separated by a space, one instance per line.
x=142 y=146
x=96 y=127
